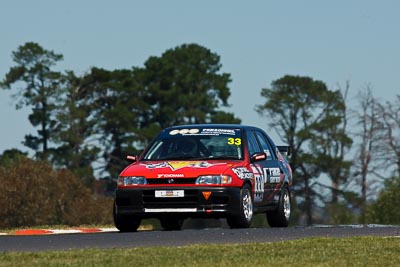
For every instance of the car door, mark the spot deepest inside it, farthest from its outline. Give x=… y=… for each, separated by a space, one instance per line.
x=262 y=169
x=271 y=168
x=256 y=168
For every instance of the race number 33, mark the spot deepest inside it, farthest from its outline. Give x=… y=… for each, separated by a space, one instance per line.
x=234 y=141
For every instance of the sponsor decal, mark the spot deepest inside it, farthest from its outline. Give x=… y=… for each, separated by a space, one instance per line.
x=209 y=131
x=206 y=131
x=274 y=174
x=170 y=175
x=243 y=173
x=263 y=176
x=176 y=165
x=156 y=165
x=258 y=183
x=184 y=131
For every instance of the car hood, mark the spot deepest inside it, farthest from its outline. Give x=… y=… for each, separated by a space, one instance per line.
x=178 y=169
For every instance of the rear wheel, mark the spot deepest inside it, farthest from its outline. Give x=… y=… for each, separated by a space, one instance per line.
x=281 y=216
x=125 y=223
x=245 y=216
x=171 y=224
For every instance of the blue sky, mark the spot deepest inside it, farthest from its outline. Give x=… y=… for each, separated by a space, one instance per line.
x=258 y=41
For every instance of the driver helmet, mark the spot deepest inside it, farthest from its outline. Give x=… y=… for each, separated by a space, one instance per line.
x=187 y=146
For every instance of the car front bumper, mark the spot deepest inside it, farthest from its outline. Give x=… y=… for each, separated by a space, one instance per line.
x=146 y=203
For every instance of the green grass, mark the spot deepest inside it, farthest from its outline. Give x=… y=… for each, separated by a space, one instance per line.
x=356 y=251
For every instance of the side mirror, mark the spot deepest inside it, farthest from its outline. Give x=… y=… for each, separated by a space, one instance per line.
x=258 y=157
x=131 y=158
x=285 y=149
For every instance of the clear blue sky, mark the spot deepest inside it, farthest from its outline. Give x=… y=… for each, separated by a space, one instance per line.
x=258 y=41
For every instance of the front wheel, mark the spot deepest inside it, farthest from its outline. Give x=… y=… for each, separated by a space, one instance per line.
x=125 y=223
x=245 y=216
x=281 y=216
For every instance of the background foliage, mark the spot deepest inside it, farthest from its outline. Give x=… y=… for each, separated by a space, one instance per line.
x=86 y=125
x=33 y=193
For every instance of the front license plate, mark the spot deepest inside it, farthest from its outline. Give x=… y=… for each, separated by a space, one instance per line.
x=169 y=193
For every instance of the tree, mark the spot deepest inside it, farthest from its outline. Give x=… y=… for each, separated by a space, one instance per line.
x=389 y=114
x=300 y=109
x=184 y=86
x=329 y=144
x=74 y=132
x=10 y=156
x=367 y=152
x=385 y=210
x=38 y=87
x=386 y=151
x=122 y=115
x=330 y=141
x=114 y=113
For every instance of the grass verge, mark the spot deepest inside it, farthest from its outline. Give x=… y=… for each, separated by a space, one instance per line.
x=355 y=251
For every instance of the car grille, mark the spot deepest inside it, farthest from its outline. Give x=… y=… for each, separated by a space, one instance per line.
x=172 y=181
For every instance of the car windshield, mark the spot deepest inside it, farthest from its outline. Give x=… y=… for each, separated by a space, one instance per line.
x=196 y=144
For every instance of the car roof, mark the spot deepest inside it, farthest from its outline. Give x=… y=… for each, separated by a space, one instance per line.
x=213 y=125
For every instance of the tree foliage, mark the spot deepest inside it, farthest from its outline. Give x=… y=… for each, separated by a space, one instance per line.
x=390 y=142
x=38 y=87
x=111 y=113
x=95 y=119
x=132 y=106
x=385 y=210
x=306 y=115
x=184 y=87
x=75 y=147
x=330 y=142
x=368 y=152
x=33 y=193
x=102 y=113
x=386 y=152
x=121 y=113
x=10 y=156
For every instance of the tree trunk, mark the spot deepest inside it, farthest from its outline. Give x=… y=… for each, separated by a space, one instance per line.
x=335 y=190
x=308 y=201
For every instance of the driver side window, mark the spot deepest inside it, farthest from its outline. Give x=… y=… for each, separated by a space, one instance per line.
x=252 y=143
x=266 y=147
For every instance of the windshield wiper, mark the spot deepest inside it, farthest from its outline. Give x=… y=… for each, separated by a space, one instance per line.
x=224 y=157
x=173 y=158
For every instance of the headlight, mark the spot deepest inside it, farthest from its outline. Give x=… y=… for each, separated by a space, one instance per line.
x=214 y=179
x=131 y=180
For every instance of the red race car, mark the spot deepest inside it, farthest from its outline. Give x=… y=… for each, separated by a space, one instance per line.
x=205 y=171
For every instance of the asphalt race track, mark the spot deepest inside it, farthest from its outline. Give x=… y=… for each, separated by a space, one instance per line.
x=184 y=237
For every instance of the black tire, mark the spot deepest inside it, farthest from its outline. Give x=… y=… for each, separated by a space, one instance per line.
x=245 y=216
x=171 y=224
x=281 y=216
x=125 y=223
